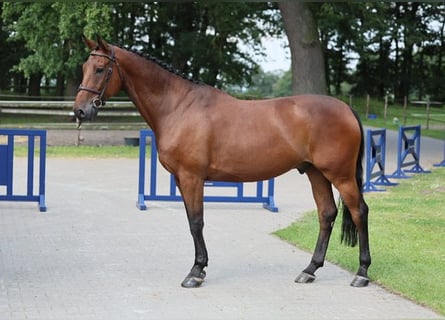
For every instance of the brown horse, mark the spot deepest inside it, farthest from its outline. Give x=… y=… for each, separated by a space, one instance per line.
x=203 y=134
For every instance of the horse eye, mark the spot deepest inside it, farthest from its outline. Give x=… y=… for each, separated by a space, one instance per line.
x=99 y=70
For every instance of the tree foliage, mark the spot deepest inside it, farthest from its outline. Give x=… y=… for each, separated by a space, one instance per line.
x=376 y=47
x=48 y=35
x=398 y=47
x=199 y=39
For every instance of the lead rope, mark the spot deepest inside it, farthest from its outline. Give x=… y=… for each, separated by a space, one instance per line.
x=79 y=129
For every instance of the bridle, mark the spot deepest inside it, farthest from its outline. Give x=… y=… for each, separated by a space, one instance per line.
x=99 y=101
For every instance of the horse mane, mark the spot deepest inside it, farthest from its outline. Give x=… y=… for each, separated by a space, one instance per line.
x=166 y=66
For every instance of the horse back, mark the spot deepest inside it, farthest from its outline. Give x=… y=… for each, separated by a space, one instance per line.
x=249 y=140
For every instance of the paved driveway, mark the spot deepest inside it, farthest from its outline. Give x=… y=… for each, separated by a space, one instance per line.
x=94 y=255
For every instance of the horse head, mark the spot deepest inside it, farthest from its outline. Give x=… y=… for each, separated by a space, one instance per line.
x=99 y=82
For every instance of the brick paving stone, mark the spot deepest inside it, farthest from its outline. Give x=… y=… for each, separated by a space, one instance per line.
x=94 y=255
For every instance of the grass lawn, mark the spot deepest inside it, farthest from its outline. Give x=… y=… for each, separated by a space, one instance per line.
x=407 y=239
x=85 y=151
x=396 y=116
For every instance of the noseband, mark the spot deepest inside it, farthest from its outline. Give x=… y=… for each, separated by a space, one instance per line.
x=99 y=101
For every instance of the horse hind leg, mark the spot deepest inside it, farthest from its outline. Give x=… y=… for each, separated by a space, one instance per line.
x=327 y=212
x=355 y=221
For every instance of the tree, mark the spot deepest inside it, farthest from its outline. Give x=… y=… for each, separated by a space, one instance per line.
x=201 y=40
x=10 y=55
x=283 y=87
x=435 y=55
x=337 y=25
x=398 y=46
x=428 y=70
x=308 y=69
x=51 y=36
x=263 y=85
x=372 y=40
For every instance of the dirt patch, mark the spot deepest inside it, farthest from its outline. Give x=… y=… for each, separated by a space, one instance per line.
x=430 y=191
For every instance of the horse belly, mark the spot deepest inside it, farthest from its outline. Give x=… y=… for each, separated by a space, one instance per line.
x=254 y=163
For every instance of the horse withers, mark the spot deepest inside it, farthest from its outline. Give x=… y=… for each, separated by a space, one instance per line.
x=203 y=134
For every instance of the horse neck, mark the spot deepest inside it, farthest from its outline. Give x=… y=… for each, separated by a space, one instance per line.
x=155 y=92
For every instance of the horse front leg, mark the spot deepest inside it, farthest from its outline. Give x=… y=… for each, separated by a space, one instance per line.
x=192 y=190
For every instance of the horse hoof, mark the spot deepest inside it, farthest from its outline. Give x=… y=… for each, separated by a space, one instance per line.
x=192 y=282
x=305 y=278
x=359 y=281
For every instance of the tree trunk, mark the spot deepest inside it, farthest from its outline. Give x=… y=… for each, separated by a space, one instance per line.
x=71 y=88
x=34 y=84
x=307 y=63
x=19 y=83
x=60 y=85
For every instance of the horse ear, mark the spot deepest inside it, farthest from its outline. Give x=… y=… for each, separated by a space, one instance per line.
x=92 y=45
x=102 y=44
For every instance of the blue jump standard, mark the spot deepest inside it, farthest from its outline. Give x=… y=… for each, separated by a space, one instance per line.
x=7 y=166
x=408 y=145
x=267 y=200
x=376 y=159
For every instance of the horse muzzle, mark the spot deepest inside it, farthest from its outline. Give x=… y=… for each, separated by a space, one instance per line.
x=86 y=113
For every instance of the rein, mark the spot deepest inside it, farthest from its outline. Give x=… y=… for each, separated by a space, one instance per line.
x=99 y=101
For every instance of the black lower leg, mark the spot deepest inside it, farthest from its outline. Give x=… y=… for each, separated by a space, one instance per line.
x=317 y=261
x=361 y=278
x=197 y=274
x=196 y=227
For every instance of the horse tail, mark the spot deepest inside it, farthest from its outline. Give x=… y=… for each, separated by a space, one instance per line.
x=349 y=235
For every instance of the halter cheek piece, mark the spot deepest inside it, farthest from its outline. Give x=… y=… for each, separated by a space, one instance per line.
x=99 y=101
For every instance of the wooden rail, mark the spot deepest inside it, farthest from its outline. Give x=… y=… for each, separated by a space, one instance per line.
x=64 y=108
x=114 y=109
